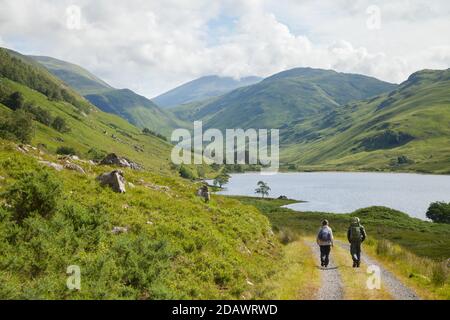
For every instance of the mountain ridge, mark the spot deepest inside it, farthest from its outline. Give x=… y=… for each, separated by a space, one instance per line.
x=136 y=109
x=202 y=88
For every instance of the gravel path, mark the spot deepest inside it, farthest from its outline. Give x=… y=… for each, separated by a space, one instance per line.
x=331 y=288
x=393 y=285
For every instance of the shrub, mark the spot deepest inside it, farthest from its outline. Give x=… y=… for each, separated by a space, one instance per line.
x=64 y=150
x=287 y=236
x=439 y=273
x=95 y=154
x=17 y=126
x=149 y=132
x=187 y=173
x=221 y=179
x=41 y=115
x=15 y=101
x=384 y=248
x=439 y=212
x=36 y=191
x=59 y=124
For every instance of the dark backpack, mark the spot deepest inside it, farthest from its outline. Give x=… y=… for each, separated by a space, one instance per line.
x=324 y=234
x=355 y=232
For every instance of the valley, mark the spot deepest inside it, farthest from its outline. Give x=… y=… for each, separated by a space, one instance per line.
x=146 y=234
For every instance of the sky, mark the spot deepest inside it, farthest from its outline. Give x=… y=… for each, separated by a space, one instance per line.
x=152 y=46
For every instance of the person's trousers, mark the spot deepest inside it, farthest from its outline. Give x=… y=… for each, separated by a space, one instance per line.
x=355 y=251
x=325 y=255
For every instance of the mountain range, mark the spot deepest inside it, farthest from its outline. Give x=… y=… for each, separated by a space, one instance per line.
x=328 y=120
x=202 y=89
x=284 y=97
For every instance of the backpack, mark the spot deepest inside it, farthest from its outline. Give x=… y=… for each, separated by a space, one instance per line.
x=324 y=234
x=355 y=232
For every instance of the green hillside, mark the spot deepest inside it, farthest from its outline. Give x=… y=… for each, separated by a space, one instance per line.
x=78 y=78
x=137 y=109
x=202 y=89
x=156 y=241
x=291 y=95
x=406 y=129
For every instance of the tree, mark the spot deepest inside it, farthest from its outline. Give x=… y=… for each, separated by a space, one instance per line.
x=263 y=189
x=439 y=212
x=59 y=124
x=221 y=179
x=41 y=115
x=15 y=101
x=17 y=126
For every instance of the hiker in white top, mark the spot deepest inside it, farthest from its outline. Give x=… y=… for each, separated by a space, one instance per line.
x=325 y=241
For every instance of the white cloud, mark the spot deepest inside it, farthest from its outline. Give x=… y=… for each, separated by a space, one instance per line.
x=151 y=46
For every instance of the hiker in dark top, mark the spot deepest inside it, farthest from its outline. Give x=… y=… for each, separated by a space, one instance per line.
x=356 y=235
x=325 y=242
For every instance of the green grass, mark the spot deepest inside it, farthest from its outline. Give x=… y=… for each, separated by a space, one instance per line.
x=415 y=250
x=423 y=238
x=177 y=247
x=297 y=278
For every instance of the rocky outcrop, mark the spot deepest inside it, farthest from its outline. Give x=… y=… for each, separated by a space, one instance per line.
x=74 y=167
x=113 y=159
x=56 y=166
x=114 y=180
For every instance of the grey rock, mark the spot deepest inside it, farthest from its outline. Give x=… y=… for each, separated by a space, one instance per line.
x=113 y=179
x=114 y=160
x=74 y=167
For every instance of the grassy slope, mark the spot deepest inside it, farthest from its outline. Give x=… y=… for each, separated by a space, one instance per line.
x=75 y=76
x=137 y=109
x=94 y=130
x=176 y=246
x=419 y=108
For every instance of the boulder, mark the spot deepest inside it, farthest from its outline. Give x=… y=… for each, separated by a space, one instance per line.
x=56 y=166
x=114 y=160
x=113 y=179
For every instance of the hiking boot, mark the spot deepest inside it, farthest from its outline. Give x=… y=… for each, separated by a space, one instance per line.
x=354 y=264
x=358 y=263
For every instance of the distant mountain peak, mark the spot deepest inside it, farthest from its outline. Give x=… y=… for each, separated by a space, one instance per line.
x=203 y=88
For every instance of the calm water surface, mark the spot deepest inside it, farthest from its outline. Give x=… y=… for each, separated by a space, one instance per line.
x=343 y=192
